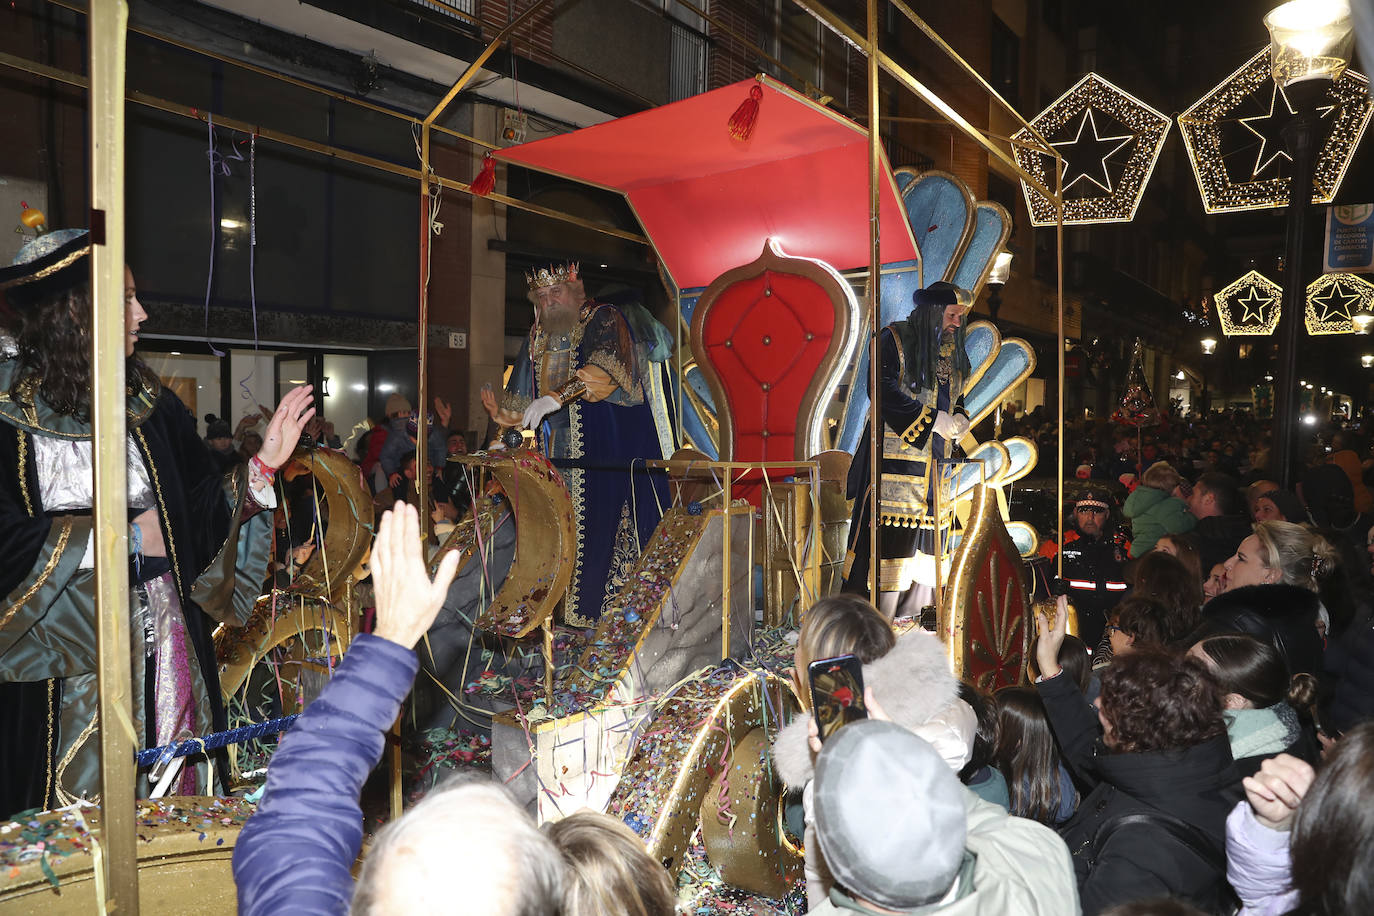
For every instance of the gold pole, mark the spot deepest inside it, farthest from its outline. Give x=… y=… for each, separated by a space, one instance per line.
x=394 y=756
x=422 y=408
x=107 y=23
x=1059 y=346
x=548 y=662
x=727 y=544
x=875 y=315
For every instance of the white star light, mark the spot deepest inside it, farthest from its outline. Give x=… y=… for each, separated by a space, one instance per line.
x=1254 y=305
x=1261 y=161
x=1329 y=305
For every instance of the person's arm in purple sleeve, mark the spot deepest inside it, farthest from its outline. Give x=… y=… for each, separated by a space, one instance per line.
x=1258 y=861
x=295 y=853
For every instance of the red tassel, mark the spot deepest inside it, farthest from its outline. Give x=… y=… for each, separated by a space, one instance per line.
x=485 y=182
x=746 y=115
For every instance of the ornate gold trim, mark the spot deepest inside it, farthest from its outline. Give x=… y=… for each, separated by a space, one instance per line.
x=576 y=479
x=918 y=426
x=47 y=758
x=66 y=798
x=609 y=363
x=23 y=448
x=515 y=402
x=43 y=576
x=60 y=264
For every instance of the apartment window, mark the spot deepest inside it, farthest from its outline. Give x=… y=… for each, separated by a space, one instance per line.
x=687 y=63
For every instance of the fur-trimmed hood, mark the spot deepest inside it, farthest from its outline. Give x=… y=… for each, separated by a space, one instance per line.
x=912 y=683
x=1283 y=614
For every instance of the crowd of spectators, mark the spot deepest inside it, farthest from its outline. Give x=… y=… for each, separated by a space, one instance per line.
x=1211 y=752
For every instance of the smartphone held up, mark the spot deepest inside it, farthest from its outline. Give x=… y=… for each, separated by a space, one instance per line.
x=837 y=692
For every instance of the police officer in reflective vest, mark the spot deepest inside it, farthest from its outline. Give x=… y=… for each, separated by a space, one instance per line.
x=1093 y=559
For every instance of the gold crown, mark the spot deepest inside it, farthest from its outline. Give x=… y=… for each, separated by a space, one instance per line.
x=552 y=275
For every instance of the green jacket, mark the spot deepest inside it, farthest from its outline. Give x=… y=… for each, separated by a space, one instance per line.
x=1153 y=514
x=1011 y=865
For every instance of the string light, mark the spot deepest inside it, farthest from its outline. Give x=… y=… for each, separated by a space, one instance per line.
x=1221 y=128
x=1250 y=306
x=1333 y=300
x=1088 y=148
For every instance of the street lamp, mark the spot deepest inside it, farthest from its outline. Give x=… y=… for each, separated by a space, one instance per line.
x=1309 y=47
x=1209 y=347
x=1367 y=360
x=997 y=278
x=1362 y=320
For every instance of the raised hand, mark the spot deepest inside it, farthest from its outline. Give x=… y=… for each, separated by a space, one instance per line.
x=443 y=411
x=284 y=431
x=1051 y=637
x=1275 y=791
x=407 y=600
x=502 y=416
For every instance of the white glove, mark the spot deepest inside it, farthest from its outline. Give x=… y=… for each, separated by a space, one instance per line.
x=537 y=411
x=945 y=426
x=960 y=426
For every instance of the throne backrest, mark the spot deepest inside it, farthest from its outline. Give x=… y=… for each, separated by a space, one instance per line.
x=772 y=339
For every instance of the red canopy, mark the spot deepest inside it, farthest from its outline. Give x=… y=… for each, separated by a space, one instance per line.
x=708 y=201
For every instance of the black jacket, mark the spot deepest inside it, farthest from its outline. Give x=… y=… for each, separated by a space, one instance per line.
x=1350 y=666
x=1198 y=786
x=1285 y=615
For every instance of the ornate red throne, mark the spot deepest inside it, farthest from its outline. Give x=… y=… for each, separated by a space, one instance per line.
x=772 y=339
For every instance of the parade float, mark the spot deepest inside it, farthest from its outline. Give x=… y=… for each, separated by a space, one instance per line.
x=663 y=714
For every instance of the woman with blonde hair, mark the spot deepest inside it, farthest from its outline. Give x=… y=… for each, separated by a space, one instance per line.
x=608 y=872
x=1273 y=585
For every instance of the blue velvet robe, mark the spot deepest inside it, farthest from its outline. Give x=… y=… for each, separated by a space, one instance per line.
x=600 y=448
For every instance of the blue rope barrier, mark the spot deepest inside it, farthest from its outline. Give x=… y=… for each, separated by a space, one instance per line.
x=168 y=752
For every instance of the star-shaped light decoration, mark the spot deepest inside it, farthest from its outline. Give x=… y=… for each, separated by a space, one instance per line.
x=1232 y=135
x=1110 y=142
x=1085 y=156
x=1269 y=128
x=1332 y=299
x=1250 y=306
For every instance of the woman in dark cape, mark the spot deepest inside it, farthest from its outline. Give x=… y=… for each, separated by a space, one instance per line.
x=185 y=549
